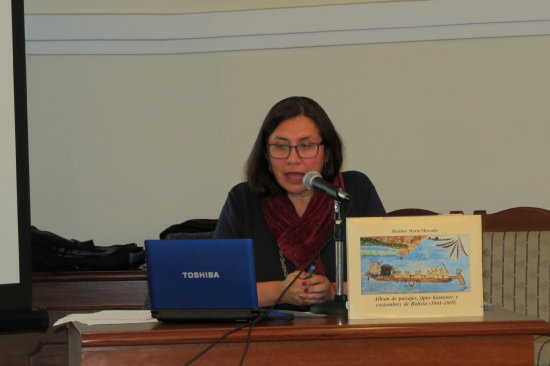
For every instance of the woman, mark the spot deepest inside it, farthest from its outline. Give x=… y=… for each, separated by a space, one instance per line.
x=287 y=222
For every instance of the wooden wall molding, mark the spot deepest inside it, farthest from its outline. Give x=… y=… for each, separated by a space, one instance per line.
x=386 y=22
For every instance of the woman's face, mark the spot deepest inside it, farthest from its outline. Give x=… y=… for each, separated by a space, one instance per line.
x=289 y=172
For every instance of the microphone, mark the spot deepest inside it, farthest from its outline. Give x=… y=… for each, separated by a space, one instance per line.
x=313 y=180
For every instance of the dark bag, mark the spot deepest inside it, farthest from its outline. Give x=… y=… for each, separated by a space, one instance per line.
x=191 y=229
x=51 y=252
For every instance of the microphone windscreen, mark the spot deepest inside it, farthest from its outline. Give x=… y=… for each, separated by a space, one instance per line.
x=309 y=177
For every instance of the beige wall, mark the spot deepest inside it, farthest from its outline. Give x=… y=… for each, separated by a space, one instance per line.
x=171 y=6
x=123 y=146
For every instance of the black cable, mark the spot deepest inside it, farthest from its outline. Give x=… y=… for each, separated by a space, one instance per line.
x=248 y=339
x=196 y=357
x=331 y=237
x=266 y=312
x=263 y=314
x=306 y=266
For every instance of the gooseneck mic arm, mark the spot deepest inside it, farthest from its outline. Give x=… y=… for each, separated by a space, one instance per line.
x=313 y=180
x=338 y=305
x=339 y=247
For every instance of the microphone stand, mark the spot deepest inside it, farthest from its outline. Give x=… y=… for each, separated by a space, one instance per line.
x=338 y=305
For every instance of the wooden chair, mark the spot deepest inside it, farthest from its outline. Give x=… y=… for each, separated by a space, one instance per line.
x=416 y=212
x=411 y=212
x=516 y=219
x=516 y=261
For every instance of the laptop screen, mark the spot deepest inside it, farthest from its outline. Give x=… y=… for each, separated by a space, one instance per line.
x=201 y=274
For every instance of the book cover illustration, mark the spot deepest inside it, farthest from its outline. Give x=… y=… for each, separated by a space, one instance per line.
x=415 y=264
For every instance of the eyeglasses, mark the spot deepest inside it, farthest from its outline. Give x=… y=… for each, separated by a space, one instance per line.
x=282 y=151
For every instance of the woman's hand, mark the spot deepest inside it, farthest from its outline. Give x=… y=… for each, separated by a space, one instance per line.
x=296 y=294
x=317 y=289
x=304 y=291
x=307 y=291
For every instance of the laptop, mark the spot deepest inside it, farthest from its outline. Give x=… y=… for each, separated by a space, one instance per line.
x=200 y=280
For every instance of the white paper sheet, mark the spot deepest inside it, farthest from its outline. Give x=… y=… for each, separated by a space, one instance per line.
x=110 y=317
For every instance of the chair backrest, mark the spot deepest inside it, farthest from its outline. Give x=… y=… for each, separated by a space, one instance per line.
x=516 y=219
x=415 y=212
x=516 y=260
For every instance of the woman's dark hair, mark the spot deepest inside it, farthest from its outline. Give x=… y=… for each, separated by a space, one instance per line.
x=260 y=180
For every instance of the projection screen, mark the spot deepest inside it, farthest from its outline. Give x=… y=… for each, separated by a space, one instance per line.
x=15 y=282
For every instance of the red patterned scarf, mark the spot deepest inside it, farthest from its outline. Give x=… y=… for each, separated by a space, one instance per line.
x=300 y=237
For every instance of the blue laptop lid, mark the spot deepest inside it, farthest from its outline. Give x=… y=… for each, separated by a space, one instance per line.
x=201 y=274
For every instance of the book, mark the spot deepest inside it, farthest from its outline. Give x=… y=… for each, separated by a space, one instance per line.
x=414 y=267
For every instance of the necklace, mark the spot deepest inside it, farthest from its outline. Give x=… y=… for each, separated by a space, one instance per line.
x=283 y=263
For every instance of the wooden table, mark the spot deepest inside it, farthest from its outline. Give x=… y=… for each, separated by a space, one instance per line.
x=499 y=338
x=62 y=293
